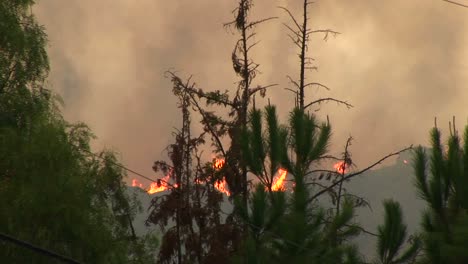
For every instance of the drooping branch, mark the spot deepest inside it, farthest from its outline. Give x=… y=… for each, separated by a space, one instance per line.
x=321 y=100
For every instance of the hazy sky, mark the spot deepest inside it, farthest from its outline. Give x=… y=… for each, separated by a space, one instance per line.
x=399 y=62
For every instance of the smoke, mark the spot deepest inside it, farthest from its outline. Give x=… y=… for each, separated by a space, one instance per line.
x=400 y=63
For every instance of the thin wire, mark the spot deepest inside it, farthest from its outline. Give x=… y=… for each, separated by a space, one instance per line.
x=456 y=3
x=42 y=251
x=120 y=166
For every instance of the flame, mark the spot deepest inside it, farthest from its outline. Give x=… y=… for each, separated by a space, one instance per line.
x=159 y=186
x=135 y=183
x=340 y=167
x=221 y=185
x=278 y=182
x=405 y=161
x=218 y=164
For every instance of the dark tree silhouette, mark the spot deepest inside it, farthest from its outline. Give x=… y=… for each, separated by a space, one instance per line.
x=442 y=181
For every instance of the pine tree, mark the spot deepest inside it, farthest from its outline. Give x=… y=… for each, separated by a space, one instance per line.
x=442 y=181
x=392 y=235
x=299 y=234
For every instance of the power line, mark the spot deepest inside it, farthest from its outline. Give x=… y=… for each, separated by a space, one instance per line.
x=42 y=251
x=456 y=3
x=120 y=166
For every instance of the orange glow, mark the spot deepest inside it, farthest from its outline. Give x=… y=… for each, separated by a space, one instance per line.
x=221 y=185
x=218 y=164
x=135 y=183
x=340 y=167
x=159 y=186
x=278 y=181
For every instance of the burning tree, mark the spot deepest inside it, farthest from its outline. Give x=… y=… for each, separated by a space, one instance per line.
x=294 y=231
x=250 y=153
x=192 y=201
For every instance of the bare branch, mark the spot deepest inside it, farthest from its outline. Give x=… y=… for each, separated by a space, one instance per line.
x=318 y=84
x=311 y=68
x=293 y=31
x=292 y=17
x=260 y=88
x=248 y=26
x=291 y=80
x=357 y=226
x=253 y=45
x=349 y=176
x=291 y=90
x=212 y=132
x=294 y=41
x=348 y=105
x=322 y=170
x=326 y=31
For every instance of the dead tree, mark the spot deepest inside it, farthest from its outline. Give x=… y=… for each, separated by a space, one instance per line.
x=300 y=34
x=237 y=105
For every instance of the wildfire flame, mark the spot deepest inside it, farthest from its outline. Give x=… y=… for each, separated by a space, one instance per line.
x=218 y=164
x=163 y=184
x=221 y=185
x=278 y=182
x=159 y=186
x=135 y=183
x=340 y=167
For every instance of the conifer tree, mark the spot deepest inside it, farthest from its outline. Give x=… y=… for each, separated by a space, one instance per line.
x=299 y=234
x=442 y=181
x=192 y=202
x=392 y=235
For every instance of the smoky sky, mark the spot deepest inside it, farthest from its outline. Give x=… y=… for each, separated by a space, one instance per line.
x=400 y=63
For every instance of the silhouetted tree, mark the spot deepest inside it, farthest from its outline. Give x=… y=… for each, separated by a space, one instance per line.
x=300 y=34
x=198 y=234
x=291 y=228
x=55 y=193
x=442 y=181
x=392 y=235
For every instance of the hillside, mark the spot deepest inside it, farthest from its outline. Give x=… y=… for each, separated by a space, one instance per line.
x=395 y=182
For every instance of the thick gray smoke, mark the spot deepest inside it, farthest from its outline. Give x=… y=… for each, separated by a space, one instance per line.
x=400 y=63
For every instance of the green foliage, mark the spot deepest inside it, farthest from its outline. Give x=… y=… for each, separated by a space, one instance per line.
x=290 y=228
x=54 y=193
x=23 y=56
x=264 y=220
x=60 y=198
x=443 y=185
x=392 y=235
